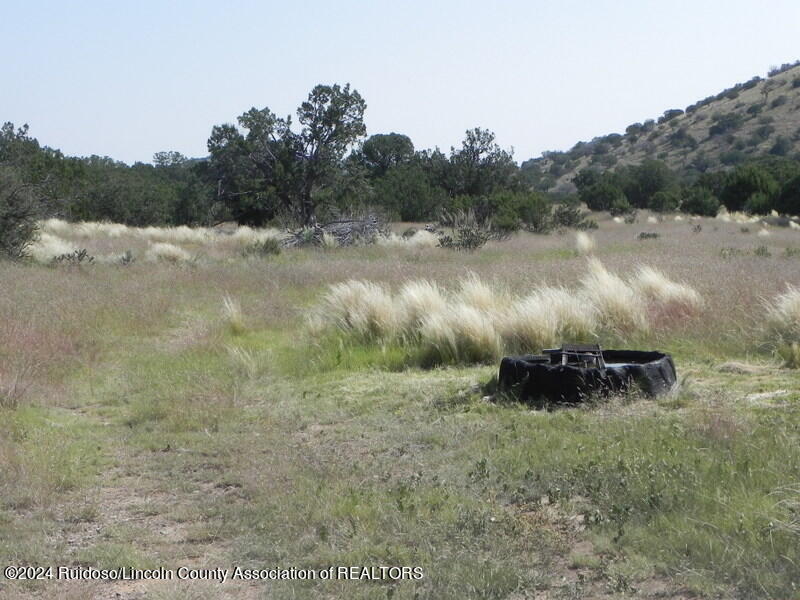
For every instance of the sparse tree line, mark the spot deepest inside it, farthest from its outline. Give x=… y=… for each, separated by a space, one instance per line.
x=265 y=169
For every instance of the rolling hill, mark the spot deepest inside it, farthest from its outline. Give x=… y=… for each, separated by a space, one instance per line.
x=751 y=119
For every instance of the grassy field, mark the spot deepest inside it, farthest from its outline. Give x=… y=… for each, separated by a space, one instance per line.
x=180 y=411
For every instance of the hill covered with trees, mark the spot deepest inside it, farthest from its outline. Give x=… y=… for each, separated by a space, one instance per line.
x=750 y=120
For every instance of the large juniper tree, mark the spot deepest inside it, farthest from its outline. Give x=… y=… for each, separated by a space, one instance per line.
x=272 y=168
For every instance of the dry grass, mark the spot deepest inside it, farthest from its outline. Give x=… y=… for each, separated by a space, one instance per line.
x=453 y=323
x=360 y=463
x=364 y=308
x=232 y=316
x=49 y=246
x=620 y=307
x=584 y=243
x=462 y=334
x=163 y=251
x=666 y=295
x=417 y=299
x=420 y=239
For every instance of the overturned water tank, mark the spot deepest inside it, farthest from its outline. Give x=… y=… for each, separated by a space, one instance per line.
x=575 y=372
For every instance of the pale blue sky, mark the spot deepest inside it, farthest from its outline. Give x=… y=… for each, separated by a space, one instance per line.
x=127 y=79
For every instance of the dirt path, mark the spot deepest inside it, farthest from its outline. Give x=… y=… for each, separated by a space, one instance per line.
x=145 y=512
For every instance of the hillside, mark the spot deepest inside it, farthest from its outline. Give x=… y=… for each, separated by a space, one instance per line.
x=751 y=119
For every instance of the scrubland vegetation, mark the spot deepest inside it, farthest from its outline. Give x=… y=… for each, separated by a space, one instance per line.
x=321 y=406
x=194 y=371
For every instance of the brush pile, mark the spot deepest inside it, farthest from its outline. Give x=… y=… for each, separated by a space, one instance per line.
x=340 y=232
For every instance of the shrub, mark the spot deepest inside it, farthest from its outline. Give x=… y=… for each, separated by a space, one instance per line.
x=18 y=212
x=745 y=181
x=779 y=101
x=76 y=257
x=669 y=115
x=700 y=201
x=568 y=215
x=763 y=132
x=758 y=203
x=755 y=109
x=781 y=147
x=788 y=201
x=665 y=201
x=724 y=123
x=468 y=232
x=731 y=157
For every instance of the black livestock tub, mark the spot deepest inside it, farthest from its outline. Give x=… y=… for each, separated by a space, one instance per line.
x=573 y=373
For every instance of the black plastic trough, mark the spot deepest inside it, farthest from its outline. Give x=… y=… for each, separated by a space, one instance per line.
x=538 y=378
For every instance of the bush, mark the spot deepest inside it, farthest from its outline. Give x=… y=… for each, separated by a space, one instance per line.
x=763 y=132
x=731 y=157
x=782 y=146
x=469 y=232
x=745 y=181
x=755 y=109
x=665 y=201
x=788 y=201
x=725 y=122
x=700 y=201
x=758 y=204
x=566 y=215
x=779 y=101
x=18 y=212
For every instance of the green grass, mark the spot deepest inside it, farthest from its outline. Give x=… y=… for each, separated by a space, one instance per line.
x=164 y=436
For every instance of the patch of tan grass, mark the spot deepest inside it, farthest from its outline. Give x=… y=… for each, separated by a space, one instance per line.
x=162 y=251
x=619 y=306
x=666 y=294
x=584 y=243
x=461 y=334
x=48 y=246
x=362 y=307
x=232 y=316
x=417 y=299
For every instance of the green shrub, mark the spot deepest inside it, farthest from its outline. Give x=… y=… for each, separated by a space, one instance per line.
x=745 y=181
x=779 y=101
x=725 y=122
x=758 y=204
x=782 y=146
x=18 y=212
x=665 y=201
x=700 y=201
x=731 y=157
x=764 y=131
x=569 y=215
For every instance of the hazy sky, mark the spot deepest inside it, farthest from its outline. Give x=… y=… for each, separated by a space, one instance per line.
x=127 y=79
